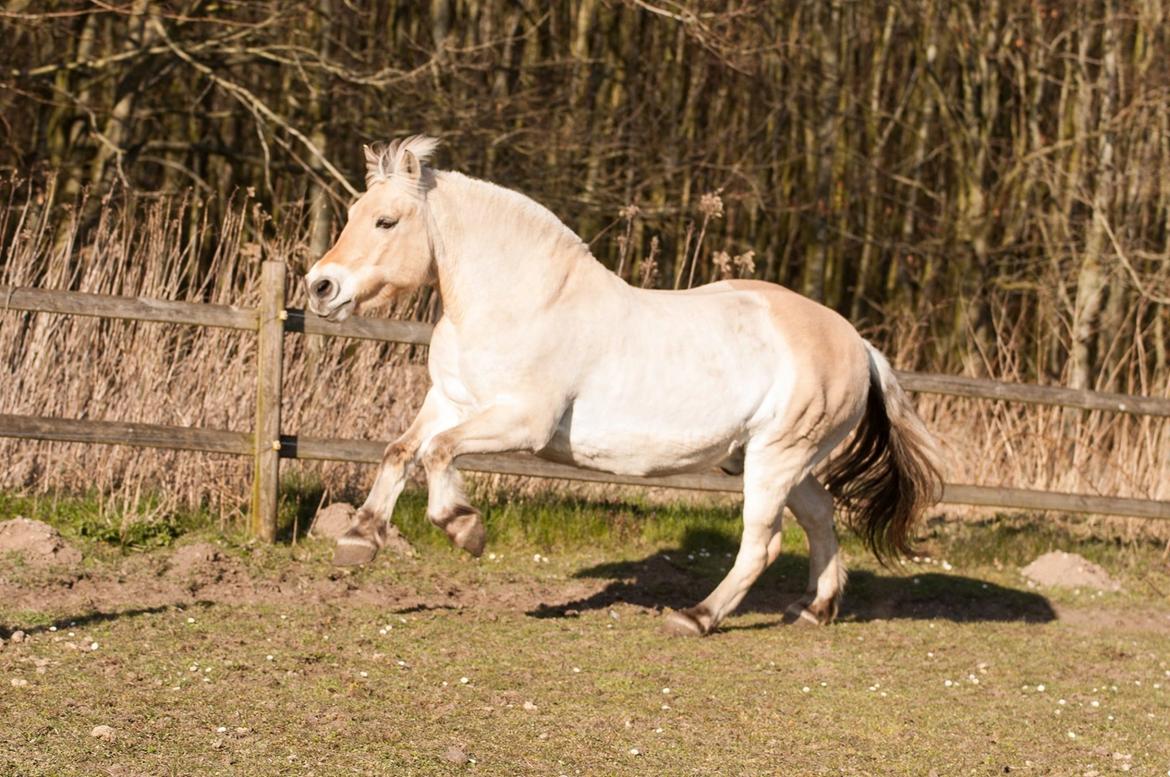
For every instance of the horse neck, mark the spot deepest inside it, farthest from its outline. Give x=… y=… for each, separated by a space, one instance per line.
x=496 y=249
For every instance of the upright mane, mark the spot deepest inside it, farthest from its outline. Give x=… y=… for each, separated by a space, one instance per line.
x=385 y=159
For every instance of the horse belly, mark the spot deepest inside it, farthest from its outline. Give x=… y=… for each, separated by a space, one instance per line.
x=647 y=438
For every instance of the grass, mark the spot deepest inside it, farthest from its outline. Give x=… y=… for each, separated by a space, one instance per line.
x=566 y=668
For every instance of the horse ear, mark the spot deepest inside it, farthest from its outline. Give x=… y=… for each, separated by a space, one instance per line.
x=409 y=166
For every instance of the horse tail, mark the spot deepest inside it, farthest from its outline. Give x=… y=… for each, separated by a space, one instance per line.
x=889 y=473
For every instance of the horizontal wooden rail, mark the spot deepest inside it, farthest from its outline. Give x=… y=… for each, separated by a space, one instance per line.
x=521 y=464
x=1027 y=499
x=981 y=388
x=382 y=329
x=80 y=303
x=125 y=433
x=418 y=333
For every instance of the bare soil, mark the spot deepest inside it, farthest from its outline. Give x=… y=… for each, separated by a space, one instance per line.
x=1060 y=569
x=35 y=543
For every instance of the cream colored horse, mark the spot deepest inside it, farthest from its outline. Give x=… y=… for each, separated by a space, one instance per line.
x=541 y=348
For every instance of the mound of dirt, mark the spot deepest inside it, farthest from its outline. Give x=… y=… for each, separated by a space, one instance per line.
x=1058 y=569
x=332 y=521
x=37 y=543
x=196 y=560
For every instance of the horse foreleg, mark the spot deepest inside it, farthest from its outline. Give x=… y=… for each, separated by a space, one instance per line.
x=813 y=507
x=366 y=536
x=498 y=429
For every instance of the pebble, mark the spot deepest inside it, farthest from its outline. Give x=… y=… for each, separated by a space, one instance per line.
x=17 y=637
x=530 y=706
x=19 y=682
x=104 y=733
x=635 y=751
x=455 y=755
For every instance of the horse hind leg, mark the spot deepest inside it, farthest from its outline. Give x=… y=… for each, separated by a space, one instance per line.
x=813 y=507
x=768 y=477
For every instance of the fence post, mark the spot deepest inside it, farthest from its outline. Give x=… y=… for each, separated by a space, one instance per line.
x=269 y=374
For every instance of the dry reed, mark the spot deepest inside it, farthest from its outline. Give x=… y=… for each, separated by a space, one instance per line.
x=78 y=367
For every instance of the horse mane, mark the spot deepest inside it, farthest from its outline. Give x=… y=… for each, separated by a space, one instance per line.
x=383 y=159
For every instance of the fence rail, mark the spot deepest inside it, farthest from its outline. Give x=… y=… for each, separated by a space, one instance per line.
x=267 y=445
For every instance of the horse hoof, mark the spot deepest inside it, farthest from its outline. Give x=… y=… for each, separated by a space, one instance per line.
x=680 y=623
x=799 y=615
x=353 y=551
x=465 y=528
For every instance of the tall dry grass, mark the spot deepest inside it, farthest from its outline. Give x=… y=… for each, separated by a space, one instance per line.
x=161 y=247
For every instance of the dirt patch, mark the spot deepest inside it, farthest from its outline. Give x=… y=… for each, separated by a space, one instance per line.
x=1059 y=569
x=37 y=543
x=201 y=560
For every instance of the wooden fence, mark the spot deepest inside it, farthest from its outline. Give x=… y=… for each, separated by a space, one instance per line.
x=268 y=445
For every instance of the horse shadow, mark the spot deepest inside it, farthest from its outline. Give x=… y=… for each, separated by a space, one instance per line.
x=80 y=621
x=680 y=577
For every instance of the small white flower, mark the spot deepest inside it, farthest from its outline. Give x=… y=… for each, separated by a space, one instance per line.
x=805 y=689
x=269 y=657
x=464 y=680
x=635 y=751
x=1072 y=735
x=1094 y=703
x=364 y=674
x=94 y=646
x=576 y=670
x=666 y=690
x=1040 y=687
x=190 y=620
x=221 y=729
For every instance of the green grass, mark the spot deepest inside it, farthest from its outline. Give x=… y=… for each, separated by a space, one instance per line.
x=866 y=696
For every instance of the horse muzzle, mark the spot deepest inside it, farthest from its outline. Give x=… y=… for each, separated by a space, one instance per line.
x=326 y=298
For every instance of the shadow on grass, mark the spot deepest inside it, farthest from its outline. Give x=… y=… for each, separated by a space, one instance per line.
x=81 y=621
x=682 y=576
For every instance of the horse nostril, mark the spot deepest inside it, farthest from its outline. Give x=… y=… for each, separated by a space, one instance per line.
x=323 y=289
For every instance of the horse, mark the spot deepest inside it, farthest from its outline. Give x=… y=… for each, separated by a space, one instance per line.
x=542 y=348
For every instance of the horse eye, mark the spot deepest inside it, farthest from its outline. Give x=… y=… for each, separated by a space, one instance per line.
x=385 y=222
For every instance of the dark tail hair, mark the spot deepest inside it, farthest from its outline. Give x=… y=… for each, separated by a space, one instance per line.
x=889 y=472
